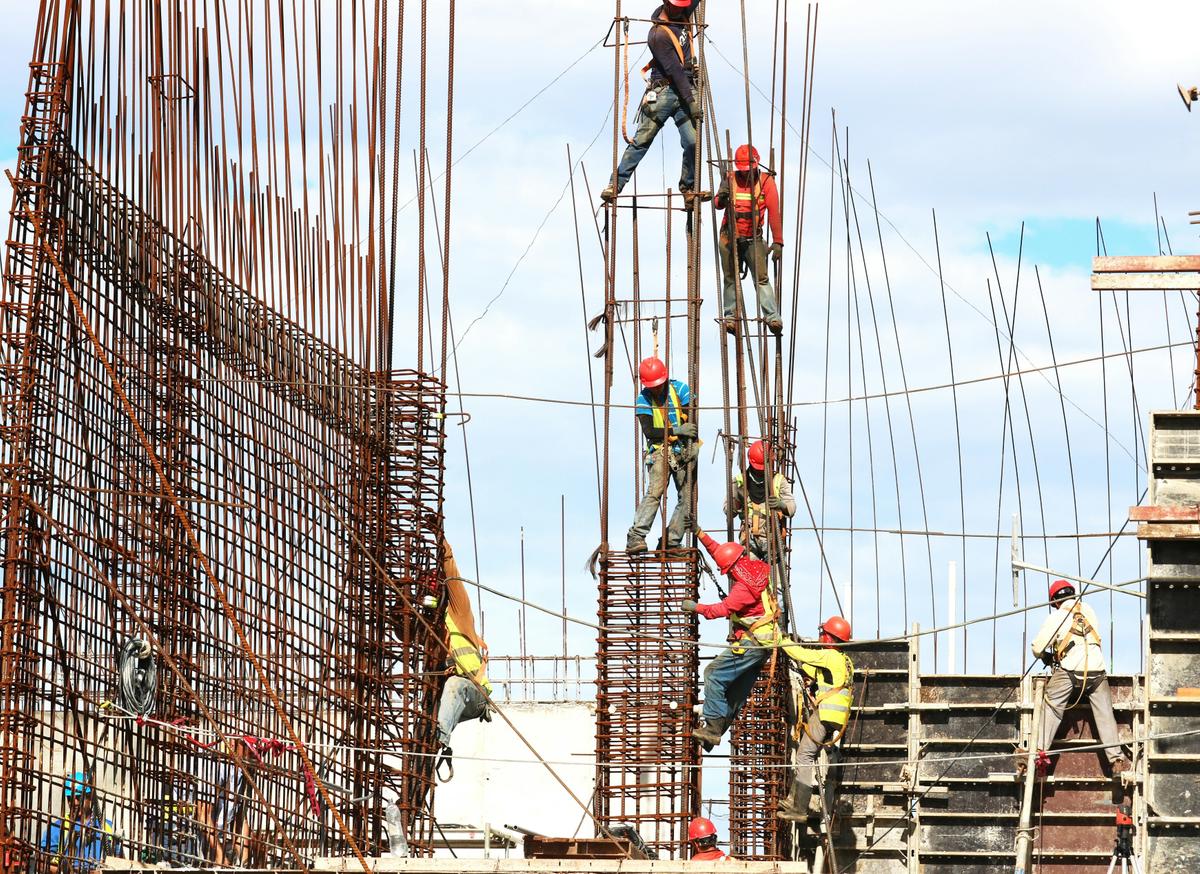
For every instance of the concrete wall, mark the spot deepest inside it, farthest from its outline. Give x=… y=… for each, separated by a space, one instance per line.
x=515 y=793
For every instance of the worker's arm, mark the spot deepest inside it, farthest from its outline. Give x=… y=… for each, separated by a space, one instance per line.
x=774 y=216
x=653 y=435
x=721 y=201
x=785 y=495
x=662 y=47
x=739 y=598
x=820 y=657
x=1044 y=639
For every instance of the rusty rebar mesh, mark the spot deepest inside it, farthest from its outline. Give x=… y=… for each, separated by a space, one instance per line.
x=646 y=689
x=312 y=486
x=757 y=776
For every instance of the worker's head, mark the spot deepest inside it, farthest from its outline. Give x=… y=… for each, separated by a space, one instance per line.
x=727 y=555
x=745 y=159
x=677 y=10
x=1060 y=591
x=834 y=630
x=702 y=834
x=756 y=456
x=653 y=375
x=78 y=791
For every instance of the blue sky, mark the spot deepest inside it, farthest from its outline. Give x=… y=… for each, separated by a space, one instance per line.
x=1051 y=114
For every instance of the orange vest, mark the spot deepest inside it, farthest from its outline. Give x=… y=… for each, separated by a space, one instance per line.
x=745 y=200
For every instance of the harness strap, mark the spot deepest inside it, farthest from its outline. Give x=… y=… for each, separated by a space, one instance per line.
x=659 y=22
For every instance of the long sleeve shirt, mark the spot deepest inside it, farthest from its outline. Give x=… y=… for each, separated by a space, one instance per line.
x=1085 y=652
x=666 y=63
x=750 y=578
x=784 y=492
x=770 y=196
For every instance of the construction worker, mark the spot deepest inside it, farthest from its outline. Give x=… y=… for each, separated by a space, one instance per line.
x=751 y=198
x=669 y=95
x=828 y=692
x=662 y=410
x=755 y=502
x=702 y=835
x=465 y=695
x=750 y=606
x=1069 y=643
x=84 y=838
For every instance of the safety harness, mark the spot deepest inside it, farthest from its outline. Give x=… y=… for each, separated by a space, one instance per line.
x=665 y=23
x=1080 y=629
x=762 y=628
x=468 y=660
x=660 y=415
x=749 y=207
x=757 y=514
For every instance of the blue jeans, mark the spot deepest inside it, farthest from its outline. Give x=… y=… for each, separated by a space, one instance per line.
x=753 y=253
x=653 y=118
x=729 y=678
x=461 y=700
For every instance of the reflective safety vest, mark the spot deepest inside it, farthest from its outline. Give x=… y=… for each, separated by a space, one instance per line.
x=660 y=415
x=1081 y=629
x=756 y=514
x=762 y=628
x=468 y=661
x=746 y=200
x=834 y=675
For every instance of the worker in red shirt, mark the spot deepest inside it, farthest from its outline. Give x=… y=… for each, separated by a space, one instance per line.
x=752 y=609
x=702 y=835
x=750 y=196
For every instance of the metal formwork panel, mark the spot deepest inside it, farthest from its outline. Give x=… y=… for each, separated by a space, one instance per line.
x=646 y=691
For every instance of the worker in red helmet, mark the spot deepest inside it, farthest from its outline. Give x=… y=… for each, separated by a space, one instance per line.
x=702 y=835
x=1069 y=643
x=662 y=409
x=827 y=694
x=754 y=613
x=751 y=203
x=754 y=502
x=670 y=94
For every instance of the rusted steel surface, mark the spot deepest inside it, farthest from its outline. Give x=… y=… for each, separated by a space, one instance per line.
x=646 y=688
x=205 y=446
x=759 y=778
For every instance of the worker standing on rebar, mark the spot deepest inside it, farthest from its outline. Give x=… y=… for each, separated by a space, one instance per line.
x=82 y=839
x=827 y=693
x=751 y=607
x=751 y=202
x=1069 y=642
x=670 y=94
x=662 y=411
x=465 y=695
x=753 y=503
x=702 y=835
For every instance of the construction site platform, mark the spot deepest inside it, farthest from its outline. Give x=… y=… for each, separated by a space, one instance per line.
x=535 y=866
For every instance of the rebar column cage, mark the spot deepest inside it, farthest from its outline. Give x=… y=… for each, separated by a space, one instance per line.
x=313 y=491
x=759 y=772
x=646 y=689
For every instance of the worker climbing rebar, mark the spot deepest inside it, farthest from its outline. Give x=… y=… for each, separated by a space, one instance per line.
x=753 y=611
x=750 y=197
x=1069 y=643
x=755 y=502
x=827 y=694
x=671 y=446
x=670 y=94
x=465 y=695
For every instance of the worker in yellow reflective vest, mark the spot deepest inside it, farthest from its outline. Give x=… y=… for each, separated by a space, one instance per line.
x=465 y=695
x=829 y=676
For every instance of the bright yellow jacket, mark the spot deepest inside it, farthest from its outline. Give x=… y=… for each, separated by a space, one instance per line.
x=466 y=647
x=834 y=674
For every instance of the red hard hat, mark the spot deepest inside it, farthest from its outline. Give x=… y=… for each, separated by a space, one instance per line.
x=1058 y=585
x=757 y=456
x=727 y=554
x=680 y=3
x=836 y=626
x=653 y=372
x=745 y=158
x=700 y=828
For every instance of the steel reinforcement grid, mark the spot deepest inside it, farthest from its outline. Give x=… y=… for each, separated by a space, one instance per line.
x=187 y=466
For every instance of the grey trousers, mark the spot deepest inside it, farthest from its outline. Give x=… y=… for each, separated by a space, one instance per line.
x=461 y=701
x=659 y=469
x=1062 y=689
x=807 y=754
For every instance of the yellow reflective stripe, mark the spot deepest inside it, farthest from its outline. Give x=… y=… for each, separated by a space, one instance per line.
x=658 y=413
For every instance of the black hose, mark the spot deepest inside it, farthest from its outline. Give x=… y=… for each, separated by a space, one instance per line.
x=138 y=676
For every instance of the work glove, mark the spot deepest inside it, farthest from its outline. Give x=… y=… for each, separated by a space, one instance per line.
x=1047 y=659
x=688 y=430
x=694 y=111
x=775 y=502
x=689 y=606
x=777 y=252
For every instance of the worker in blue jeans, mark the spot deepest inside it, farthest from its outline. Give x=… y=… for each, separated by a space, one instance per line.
x=669 y=95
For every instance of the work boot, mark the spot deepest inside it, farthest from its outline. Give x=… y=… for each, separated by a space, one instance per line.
x=1121 y=765
x=729 y=324
x=710 y=731
x=609 y=194
x=690 y=196
x=794 y=807
x=635 y=545
x=776 y=327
